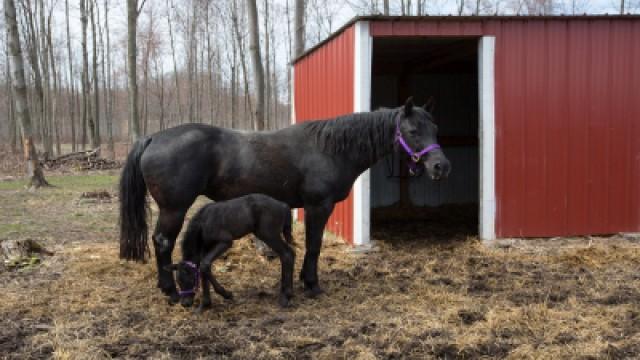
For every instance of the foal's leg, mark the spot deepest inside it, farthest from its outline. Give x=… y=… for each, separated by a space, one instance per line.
x=205 y=267
x=271 y=236
x=164 y=238
x=206 y=295
x=315 y=219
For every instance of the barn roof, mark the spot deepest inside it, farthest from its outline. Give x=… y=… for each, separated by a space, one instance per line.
x=459 y=18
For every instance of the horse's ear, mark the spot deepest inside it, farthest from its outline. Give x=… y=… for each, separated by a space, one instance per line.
x=408 y=106
x=430 y=105
x=171 y=267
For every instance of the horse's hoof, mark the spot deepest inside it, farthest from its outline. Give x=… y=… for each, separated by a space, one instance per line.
x=284 y=301
x=203 y=307
x=227 y=296
x=173 y=298
x=313 y=291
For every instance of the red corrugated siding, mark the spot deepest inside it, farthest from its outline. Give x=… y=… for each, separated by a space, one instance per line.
x=324 y=89
x=567 y=120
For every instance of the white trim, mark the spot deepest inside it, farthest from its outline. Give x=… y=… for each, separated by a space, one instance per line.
x=487 y=135
x=293 y=117
x=362 y=102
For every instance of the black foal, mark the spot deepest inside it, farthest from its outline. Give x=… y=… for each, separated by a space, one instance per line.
x=211 y=233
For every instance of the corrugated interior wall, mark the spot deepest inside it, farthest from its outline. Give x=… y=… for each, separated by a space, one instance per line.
x=567 y=120
x=324 y=89
x=455 y=89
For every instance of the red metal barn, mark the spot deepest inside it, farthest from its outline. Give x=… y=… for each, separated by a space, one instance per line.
x=540 y=116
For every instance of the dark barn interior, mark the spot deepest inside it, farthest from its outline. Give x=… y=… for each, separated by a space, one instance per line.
x=447 y=69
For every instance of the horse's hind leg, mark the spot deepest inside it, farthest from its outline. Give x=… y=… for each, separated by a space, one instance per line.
x=205 y=267
x=164 y=239
x=287 y=229
x=271 y=236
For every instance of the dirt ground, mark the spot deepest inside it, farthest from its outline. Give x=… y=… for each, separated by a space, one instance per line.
x=426 y=291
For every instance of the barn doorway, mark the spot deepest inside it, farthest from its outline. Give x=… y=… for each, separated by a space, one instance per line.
x=447 y=69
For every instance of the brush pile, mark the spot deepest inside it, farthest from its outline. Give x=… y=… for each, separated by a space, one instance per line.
x=81 y=160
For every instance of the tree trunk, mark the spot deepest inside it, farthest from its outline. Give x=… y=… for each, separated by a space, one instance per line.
x=34 y=170
x=621 y=6
x=386 y=7
x=243 y=63
x=72 y=105
x=96 y=88
x=108 y=96
x=13 y=128
x=175 y=66
x=86 y=114
x=44 y=61
x=32 y=51
x=299 y=28
x=267 y=75
x=289 y=67
x=132 y=24
x=256 y=62
x=54 y=94
x=191 y=63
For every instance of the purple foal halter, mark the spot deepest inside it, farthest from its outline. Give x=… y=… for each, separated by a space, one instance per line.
x=193 y=290
x=414 y=155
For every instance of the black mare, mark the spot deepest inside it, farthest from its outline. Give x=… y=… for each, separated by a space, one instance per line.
x=311 y=165
x=211 y=233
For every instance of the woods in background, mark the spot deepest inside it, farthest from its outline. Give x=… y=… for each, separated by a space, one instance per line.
x=105 y=71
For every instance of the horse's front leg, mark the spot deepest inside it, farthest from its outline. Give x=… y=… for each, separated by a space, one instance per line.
x=315 y=219
x=164 y=239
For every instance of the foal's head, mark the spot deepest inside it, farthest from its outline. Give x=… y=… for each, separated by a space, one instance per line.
x=419 y=132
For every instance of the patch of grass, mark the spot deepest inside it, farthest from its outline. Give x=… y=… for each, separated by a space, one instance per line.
x=10 y=228
x=84 y=182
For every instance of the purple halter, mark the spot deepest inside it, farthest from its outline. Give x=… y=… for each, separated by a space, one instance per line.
x=193 y=290
x=414 y=155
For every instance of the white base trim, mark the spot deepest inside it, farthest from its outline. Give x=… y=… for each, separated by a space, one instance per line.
x=362 y=102
x=487 y=137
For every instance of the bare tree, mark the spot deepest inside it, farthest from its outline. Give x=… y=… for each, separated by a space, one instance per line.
x=133 y=11
x=72 y=105
x=460 y=6
x=386 y=7
x=256 y=63
x=299 y=28
x=175 y=63
x=95 y=106
x=267 y=60
x=34 y=170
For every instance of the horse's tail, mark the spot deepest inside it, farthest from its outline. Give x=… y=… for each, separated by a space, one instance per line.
x=288 y=228
x=134 y=207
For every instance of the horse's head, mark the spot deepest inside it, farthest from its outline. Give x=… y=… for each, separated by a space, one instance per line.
x=187 y=278
x=417 y=134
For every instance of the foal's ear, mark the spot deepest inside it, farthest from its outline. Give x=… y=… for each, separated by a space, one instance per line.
x=171 y=267
x=408 y=106
x=430 y=105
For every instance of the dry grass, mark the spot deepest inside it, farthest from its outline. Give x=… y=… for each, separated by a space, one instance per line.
x=426 y=293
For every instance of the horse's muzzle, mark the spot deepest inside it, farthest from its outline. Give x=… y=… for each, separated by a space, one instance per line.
x=186 y=301
x=438 y=168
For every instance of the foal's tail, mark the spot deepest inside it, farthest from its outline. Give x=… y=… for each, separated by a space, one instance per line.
x=287 y=229
x=134 y=206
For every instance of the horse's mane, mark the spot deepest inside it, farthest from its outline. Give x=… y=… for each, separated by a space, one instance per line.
x=369 y=133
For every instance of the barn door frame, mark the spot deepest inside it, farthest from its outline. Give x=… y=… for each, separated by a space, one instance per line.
x=487 y=137
x=362 y=102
